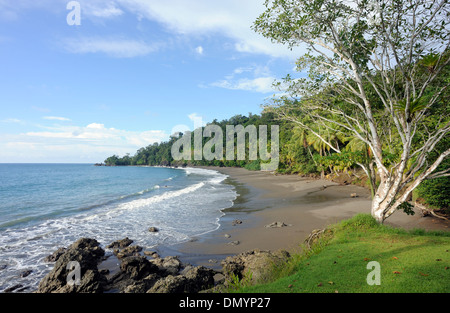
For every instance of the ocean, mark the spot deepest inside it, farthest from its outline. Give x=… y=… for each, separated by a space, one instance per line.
x=47 y=206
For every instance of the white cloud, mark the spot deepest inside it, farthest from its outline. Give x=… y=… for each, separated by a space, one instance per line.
x=11 y=120
x=101 y=9
x=96 y=132
x=261 y=84
x=56 y=118
x=120 y=48
x=91 y=143
x=96 y=126
x=199 y=50
x=231 y=18
x=261 y=80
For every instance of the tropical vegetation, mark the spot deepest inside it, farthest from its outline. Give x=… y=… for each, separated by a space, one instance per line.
x=374 y=105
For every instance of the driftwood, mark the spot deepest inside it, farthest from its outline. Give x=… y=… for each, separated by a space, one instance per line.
x=427 y=211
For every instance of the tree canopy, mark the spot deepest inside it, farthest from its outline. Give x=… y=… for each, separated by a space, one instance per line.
x=377 y=75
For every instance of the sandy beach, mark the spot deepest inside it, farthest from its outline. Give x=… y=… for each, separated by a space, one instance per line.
x=302 y=204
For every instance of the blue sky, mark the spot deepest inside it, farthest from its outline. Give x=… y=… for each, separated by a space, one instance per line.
x=131 y=73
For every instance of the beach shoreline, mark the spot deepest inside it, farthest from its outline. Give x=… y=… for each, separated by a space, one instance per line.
x=301 y=204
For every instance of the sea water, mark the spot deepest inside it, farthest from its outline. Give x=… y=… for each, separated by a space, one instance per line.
x=47 y=206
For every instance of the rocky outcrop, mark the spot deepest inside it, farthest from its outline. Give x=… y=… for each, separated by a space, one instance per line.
x=277 y=225
x=192 y=280
x=87 y=253
x=253 y=263
x=146 y=272
x=119 y=244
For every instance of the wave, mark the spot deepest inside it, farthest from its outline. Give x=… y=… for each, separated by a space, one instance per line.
x=167 y=195
x=215 y=176
x=140 y=193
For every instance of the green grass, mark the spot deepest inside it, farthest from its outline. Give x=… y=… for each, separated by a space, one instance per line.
x=410 y=262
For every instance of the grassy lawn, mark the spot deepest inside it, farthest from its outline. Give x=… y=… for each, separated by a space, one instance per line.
x=410 y=262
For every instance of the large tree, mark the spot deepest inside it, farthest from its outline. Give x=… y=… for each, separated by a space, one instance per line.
x=377 y=71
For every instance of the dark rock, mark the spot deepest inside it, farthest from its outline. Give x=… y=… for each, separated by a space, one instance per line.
x=191 y=280
x=12 y=288
x=87 y=253
x=137 y=267
x=277 y=225
x=142 y=285
x=25 y=273
x=254 y=262
x=236 y=222
x=55 y=255
x=153 y=230
x=169 y=265
x=23 y=289
x=120 y=243
x=169 y=284
x=153 y=254
x=3 y=266
x=198 y=278
x=128 y=251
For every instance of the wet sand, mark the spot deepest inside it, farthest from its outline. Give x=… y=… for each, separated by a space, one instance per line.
x=303 y=204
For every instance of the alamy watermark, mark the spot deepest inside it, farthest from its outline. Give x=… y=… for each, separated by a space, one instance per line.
x=257 y=147
x=74 y=16
x=374 y=277
x=74 y=276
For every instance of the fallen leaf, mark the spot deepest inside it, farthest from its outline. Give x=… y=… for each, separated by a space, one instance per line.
x=290 y=286
x=396 y=272
x=331 y=283
x=319 y=285
x=438 y=259
x=423 y=274
x=394 y=258
x=366 y=259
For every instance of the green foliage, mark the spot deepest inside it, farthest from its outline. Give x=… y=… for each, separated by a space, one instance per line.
x=235 y=283
x=407 y=207
x=253 y=166
x=436 y=192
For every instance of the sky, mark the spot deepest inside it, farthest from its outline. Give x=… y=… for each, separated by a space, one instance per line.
x=83 y=80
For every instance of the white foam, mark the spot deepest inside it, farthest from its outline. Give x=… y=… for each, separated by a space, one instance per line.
x=179 y=214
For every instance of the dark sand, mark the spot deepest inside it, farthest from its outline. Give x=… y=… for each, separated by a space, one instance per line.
x=303 y=204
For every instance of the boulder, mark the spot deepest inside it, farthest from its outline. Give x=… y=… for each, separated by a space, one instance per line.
x=153 y=254
x=128 y=251
x=25 y=273
x=198 y=278
x=55 y=255
x=141 y=286
x=277 y=225
x=169 y=284
x=87 y=253
x=254 y=262
x=153 y=230
x=137 y=267
x=119 y=244
x=191 y=280
x=236 y=222
x=169 y=265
